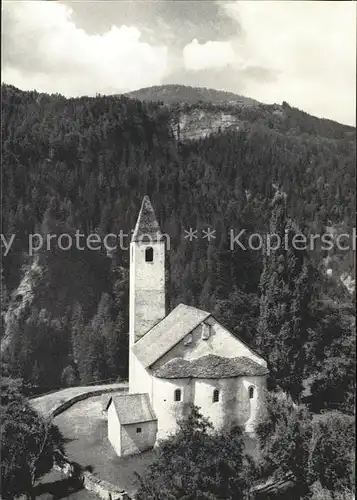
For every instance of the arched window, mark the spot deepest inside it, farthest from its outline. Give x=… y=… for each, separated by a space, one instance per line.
x=216 y=396
x=178 y=395
x=251 y=392
x=149 y=254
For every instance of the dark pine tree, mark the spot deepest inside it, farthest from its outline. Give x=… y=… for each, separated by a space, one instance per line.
x=286 y=290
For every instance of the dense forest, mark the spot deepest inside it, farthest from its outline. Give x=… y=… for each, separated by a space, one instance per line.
x=85 y=164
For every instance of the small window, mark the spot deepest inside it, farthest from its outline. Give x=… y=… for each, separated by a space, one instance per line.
x=216 y=396
x=178 y=395
x=251 y=392
x=149 y=254
x=138 y=430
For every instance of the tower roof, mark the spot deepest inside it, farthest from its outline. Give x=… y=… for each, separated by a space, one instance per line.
x=147 y=224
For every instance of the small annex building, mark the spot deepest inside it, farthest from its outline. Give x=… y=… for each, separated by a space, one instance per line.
x=132 y=424
x=179 y=358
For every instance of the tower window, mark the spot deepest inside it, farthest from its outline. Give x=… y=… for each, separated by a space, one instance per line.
x=178 y=395
x=149 y=254
x=138 y=430
x=216 y=396
x=251 y=392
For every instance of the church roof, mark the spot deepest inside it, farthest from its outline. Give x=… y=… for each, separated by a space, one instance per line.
x=166 y=334
x=133 y=408
x=147 y=224
x=210 y=366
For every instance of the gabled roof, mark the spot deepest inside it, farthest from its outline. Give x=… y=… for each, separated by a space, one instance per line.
x=166 y=334
x=147 y=224
x=133 y=408
x=210 y=366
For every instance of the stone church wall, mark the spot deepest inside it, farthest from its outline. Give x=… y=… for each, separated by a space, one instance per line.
x=234 y=407
x=167 y=410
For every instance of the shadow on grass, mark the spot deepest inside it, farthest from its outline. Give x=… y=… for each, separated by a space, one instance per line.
x=59 y=489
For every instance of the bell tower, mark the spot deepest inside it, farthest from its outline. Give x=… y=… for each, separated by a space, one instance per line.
x=147 y=279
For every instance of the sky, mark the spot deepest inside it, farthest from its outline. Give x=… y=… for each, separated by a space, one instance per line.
x=273 y=51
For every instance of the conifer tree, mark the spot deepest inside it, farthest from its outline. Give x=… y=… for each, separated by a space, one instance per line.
x=286 y=288
x=77 y=325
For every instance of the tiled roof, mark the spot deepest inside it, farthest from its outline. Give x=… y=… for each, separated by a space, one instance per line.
x=146 y=224
x=166 y=334
x=133 y=408
x=210 y=366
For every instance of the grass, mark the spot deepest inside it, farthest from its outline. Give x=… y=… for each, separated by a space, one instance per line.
x=44 y=404
x=85 y=430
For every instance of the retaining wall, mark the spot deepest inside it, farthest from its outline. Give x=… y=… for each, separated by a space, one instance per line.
x=57 y=410
x=87 y=480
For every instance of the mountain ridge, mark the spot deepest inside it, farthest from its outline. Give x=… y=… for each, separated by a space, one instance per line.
x=176 y=94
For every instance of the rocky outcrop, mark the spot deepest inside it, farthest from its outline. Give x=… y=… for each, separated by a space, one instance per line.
x=349 y=282
x=21 y=299
x=200 y=123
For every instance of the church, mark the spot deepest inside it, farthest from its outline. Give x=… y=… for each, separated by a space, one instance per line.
x=177 y=359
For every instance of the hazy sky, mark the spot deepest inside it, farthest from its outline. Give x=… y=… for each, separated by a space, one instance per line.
x=300 y=52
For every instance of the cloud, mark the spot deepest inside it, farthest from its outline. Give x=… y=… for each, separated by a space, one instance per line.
x=174 y=20
x=309 y=46
x=208 y=55
x=300 y=52
x=44 y=49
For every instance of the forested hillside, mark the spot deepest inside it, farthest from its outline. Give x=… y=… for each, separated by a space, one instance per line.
x=85 y=164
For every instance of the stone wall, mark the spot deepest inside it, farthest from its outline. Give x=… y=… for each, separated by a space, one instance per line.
x=57 y=410
x=103 y=489
x=89 y=481
x=133 y=442
x=234 y=406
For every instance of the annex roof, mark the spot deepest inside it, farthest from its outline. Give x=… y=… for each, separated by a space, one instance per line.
x=166 y=334
x=210 y=366
x=133 y=408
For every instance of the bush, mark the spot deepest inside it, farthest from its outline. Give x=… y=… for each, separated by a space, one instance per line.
x=198 y=464
x=284 y=440
x=27 y=443
x=332 y=461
